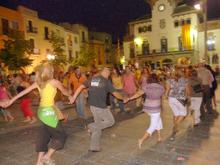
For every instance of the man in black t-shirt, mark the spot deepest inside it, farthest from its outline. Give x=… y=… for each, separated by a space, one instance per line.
x=98 y=86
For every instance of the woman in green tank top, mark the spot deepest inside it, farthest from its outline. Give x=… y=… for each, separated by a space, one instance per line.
x=51 y=129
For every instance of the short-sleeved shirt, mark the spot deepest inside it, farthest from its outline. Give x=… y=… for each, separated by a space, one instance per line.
x=98 y=87
x=76 y=81
x=129 y=84
x=196 y=89
x=178 y=88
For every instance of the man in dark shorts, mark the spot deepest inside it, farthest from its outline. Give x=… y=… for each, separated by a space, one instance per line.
x=99 y=86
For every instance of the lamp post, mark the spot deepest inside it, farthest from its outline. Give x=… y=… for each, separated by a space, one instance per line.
x=203 y=7
x=50 y=56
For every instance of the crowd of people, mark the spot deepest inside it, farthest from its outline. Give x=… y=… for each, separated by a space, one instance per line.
x=189 y=90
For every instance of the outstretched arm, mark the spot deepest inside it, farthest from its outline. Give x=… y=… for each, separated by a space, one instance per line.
x=136 y=95
x=118 y=95
x=24 y=92
x=60 y=86
x=78 y=90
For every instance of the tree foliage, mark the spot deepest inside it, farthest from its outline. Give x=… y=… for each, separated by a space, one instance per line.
x=58 y=45
x=15 y=52
x=85 y=57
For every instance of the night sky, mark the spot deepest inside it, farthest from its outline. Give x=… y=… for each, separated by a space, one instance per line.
x=109 y=16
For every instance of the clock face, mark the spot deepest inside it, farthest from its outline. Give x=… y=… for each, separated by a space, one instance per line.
x=161 y=7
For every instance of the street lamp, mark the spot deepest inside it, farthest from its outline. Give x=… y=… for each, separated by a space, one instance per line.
x=202 y=6
x=50 y=56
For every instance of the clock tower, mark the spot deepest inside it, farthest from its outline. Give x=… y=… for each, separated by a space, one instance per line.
x=174 y=3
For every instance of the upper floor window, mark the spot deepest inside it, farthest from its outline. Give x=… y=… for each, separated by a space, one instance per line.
x=69 y=40
x=14 y=25
x=164 y=46
x=46 y=33
x=30 y=26
x=188 y=21
x=83 y=37
x=5 y=26
x=70 y=55
x=211 y=43
x=32 y=44
x=176 y=23
x=144 y=29
x=182 y=22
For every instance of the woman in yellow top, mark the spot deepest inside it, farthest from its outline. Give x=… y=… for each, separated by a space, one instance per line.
x=118 y=85
x=51 y=129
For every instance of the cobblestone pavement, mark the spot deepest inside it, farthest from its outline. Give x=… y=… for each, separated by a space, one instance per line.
x=192 y=146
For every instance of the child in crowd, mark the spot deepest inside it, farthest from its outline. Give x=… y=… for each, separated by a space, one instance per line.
x=4 y=95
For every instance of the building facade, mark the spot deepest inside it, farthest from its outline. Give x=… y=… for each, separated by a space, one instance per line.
x=171 y=35
x=103 y=40
x=38 y=32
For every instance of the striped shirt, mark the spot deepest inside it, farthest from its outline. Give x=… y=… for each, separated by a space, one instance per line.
x=154 y=92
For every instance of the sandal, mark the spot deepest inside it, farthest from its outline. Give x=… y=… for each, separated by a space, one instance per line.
x=47 y=161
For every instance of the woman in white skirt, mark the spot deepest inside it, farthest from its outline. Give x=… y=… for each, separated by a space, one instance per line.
x=152 y=106
x=177 y=91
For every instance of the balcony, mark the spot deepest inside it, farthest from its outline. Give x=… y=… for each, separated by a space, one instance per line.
x=171 y=51
x=31 y=29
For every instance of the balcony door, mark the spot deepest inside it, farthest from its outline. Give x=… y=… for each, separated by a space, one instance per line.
x=164 y=46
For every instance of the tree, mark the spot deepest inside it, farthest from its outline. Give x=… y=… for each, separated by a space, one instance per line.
x=85 y=57
x=58 y=45
x=15 y=52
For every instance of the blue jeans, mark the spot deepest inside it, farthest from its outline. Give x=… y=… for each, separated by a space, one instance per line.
x=120 y=103
x=80 y=105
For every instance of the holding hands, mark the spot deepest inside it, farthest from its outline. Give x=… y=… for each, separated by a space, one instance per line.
x=5 y=103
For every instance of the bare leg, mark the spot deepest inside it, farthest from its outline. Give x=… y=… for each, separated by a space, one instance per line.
x=27 y=119
x=49 y=153
x=33 y=120
x=140 y=141
x=47 y=157
x=11 y=118
x=158 y=136
x=40 y=156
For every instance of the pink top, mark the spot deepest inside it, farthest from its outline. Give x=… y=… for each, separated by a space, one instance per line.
x=3 y=93
x=129 y=84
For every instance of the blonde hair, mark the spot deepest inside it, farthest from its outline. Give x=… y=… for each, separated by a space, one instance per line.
x=44 y=73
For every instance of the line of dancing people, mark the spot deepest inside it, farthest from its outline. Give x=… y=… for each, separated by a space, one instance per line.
x=195 y=85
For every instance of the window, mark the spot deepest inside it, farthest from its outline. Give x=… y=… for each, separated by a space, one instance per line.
x=132 y=52
x=145 y=48
x=140 y=30
x=14 y=25
x=176 y=24
x=83 y=37
x=180 y=43
x=164 y=46
x=46 y=33
x=69 y=41
x=182 y=22
x=188 y=21
x=70 y=55
x=5 y=26
x=32 y=45
x=30 y=26
x=215 y=59
x=76 y=40
x=149 y=28
x=211 y=43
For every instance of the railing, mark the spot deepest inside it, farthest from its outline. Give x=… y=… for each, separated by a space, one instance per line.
x=32 y=30
x=168 y=52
